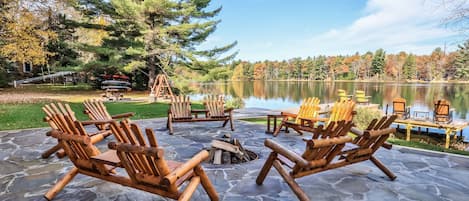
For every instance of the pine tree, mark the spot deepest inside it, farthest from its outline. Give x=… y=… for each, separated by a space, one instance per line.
x=409 y=68
x=378 y=63
x=153 y=35
x=461 y=62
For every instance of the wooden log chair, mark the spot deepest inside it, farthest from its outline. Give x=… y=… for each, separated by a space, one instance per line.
x=361 y=98
x=400 y=109
x=327 y=153
x=143 y=160
x=180 y=111
x=442 y=112
x=61 y=117
x=96 y=110
x=309 y=108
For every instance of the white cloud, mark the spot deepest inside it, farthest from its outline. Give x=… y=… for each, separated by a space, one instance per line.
x=389 y=24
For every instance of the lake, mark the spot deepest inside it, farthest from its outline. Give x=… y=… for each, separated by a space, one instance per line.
x=289 y=94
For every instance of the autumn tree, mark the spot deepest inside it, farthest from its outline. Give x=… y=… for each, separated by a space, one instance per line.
x=24 y=34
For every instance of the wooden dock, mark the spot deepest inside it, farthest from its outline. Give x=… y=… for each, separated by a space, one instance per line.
x=450 y=129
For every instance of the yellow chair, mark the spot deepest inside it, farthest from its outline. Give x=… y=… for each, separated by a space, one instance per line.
x=360 y=97
x=343 y=95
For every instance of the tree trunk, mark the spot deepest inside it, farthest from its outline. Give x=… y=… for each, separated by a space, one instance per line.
x=151 y=72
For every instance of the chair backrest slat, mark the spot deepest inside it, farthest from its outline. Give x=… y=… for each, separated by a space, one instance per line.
x=215 y=105
x=342 y=110
x=309 y=108
x=180 y=107
x=142 y=167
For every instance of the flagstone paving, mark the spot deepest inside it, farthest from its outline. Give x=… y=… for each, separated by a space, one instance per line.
x=420 y=175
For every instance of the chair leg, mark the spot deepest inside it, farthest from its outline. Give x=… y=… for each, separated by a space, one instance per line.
x=170 y=126
x=383 y=168
x=61 y=184
x=190 y=189
x=225 y=122
x=266 y=168
x=52 y=150
x=291 y=182
x=208 y=187
x=277 y=130
x=231 y=123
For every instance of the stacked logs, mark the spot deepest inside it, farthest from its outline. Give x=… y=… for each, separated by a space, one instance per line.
x=229 y=151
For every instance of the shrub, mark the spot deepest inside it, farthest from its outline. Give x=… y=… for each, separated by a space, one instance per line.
x=365 y=115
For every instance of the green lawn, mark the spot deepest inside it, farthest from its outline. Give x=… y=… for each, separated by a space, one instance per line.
x=30 y=115
x=396 y=141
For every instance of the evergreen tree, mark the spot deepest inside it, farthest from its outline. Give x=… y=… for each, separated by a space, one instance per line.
x=152 y=35
x=461 y=62
x=409 y=67
x=378 y=63
x=320 y=68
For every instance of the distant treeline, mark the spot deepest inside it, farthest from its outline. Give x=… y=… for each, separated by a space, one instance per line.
x=369 y=66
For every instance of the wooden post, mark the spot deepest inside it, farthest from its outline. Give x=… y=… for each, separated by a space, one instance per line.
x=448 y=132
x=408 y=128
x=208 y=187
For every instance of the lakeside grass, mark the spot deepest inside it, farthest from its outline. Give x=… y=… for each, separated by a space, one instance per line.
x=30 y=115
x=396 y=141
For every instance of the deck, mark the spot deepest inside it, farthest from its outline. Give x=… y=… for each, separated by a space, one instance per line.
x=450 y=128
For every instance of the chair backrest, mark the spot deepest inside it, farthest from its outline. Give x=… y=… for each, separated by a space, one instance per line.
x=142 y=159
x=96 y=110
x=180 y=107
x=215 y=105
x=398 y=105
x=342 y=110
x=309 y=108
x=61 y=117
x=79 y=150
x=374 y=136
x=342 y=95
x=360 y=96
x=321 y=152
x=442 y=107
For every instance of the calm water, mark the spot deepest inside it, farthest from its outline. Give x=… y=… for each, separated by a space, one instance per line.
x=283 y=94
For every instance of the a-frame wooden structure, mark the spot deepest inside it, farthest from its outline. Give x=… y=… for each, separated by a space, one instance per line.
x=161 y=87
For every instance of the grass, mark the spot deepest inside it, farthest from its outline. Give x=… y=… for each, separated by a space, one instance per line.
x=30 y=115
x=395 y=141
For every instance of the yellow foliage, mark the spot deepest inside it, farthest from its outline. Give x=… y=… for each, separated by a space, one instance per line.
x=24 y=38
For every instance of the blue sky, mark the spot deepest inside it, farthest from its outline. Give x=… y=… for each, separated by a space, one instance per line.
x=280 y=29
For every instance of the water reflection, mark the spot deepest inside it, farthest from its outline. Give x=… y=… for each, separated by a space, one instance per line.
x=287 y=94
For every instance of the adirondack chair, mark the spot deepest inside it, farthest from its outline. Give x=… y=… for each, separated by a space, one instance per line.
x=309 y=108
x=442 y=112
x=61 y=117
x=143 y=161
x=180 y=111
x=399 y=108
x=343 y=96
x=96 y=110
x=328 y=153
x=360 y=97
x=341 y=110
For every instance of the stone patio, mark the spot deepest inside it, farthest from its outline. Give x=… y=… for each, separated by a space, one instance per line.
x=420 y=175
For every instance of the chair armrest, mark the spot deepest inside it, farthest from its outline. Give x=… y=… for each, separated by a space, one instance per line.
x=288 y=114
x=123 y=115
x=186 y=167
x=321 y=119
x=98 y=122
x=292 y=156
x=230 y=109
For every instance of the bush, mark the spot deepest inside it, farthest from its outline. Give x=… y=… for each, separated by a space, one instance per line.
x=365 y=115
